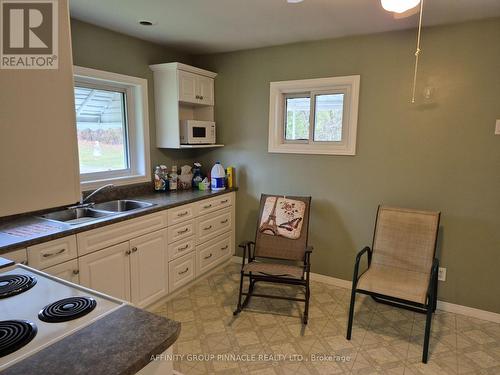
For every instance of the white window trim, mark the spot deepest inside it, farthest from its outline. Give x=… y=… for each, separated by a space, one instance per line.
x=138 y=127
x=348 y=85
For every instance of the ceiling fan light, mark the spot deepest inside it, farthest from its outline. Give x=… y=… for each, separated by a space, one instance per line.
x=399 y=6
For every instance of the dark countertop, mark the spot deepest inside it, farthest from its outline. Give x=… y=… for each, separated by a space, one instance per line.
x=28 y=230
x=120 y=343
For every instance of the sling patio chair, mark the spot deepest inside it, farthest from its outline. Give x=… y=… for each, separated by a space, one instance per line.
x=402 y=265
x=280 y=253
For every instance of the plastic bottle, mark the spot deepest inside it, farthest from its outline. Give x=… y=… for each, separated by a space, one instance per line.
x=217 y=177
x=173 y=178
x=159 y=183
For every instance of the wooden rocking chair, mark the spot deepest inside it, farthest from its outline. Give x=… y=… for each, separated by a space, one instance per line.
x=269 y=244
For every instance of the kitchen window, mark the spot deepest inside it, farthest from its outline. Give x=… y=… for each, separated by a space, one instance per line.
x=112 y=128
x=314 y=116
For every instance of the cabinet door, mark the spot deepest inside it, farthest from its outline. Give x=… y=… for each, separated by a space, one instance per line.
x=18 y=256
x=149 y=267
x=67 y=271
x=107 y=271
x=205 y=90
x=187 y=87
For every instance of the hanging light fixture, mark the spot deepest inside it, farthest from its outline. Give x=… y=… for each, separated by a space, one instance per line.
x=399 y=6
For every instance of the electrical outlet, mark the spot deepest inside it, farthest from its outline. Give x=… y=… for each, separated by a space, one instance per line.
x=442 y=274
x=497 y=128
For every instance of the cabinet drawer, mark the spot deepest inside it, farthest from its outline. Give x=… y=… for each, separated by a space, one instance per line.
x=179 y=214
x=211 y=226
x=180 y=231
x=18 y=256
x=181 y=271
x=53 y=252
x=67 y=271
x=211 y=253
x=109 y=235
x=210 y=205
x=179 y=248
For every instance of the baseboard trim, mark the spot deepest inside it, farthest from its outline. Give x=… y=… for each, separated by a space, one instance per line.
x=441 y=305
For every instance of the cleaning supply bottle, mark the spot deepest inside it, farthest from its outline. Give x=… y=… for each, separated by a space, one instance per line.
x=173 y=178
x=217 y=177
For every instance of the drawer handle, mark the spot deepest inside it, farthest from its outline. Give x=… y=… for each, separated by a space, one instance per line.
x=181 y=214
x=224 y=221
x=134 y=249
x=207 y=205
x=183 y=272
x=128 y=252
x=183 y=247
x=208 y=256
x=224 y=201
x=48 y=255
x=224 y=248
x=76 y=272
x=182 y=231
x=208 y=228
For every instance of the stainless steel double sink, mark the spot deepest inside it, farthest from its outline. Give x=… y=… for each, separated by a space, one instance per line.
x=95 y=212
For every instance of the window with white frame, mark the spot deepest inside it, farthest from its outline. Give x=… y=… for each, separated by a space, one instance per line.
x=314 y=116
x=112 y=127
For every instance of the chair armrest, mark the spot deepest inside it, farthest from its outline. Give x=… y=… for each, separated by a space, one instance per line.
x=366 y=250
x=433 y=277
x=307 y=257
x=246 y=245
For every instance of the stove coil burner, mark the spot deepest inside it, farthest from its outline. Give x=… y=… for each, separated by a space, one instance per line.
x=10 y=285
x=67 y=309
x=14 y=334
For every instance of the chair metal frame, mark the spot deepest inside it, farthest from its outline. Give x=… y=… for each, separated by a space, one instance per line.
x=431 y=295
x=249 y=256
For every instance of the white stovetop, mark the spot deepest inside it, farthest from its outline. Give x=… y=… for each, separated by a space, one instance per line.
x=48 y=289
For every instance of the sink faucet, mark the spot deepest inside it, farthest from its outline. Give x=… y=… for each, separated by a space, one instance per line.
x=82 y=200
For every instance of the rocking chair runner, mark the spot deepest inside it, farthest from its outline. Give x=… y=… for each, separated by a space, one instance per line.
x=402 y=268
x=269 y=244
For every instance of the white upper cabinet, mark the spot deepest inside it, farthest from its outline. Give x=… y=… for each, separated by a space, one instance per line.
x=187 y=87
x=205 y=90
x=195 y=88
x=182 y=92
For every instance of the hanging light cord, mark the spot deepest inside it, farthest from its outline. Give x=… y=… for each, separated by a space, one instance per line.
x=417 y=52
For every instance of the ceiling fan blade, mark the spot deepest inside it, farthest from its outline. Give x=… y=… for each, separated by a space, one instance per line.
x=408 y=13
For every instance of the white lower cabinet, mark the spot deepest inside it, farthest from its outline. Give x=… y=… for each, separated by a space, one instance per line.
x=143 y=259
x=18 y=256
x=149 y=268
x=67 y=271
x=181 y=271
x=107 y=270
x=135 y=271
x=209 y=254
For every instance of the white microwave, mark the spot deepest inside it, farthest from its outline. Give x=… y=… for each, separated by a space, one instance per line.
x=194 y=132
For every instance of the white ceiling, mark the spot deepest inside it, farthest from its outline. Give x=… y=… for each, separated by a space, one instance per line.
x=203 y=26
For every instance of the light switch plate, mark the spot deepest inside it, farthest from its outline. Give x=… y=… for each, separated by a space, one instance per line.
x=497 y=128
x=442 y=274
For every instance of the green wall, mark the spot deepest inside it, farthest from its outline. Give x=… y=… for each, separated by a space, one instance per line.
x=98 y=48
x=440 y=156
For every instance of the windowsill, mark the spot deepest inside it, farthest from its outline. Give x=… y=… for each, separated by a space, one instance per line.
x=118 y=181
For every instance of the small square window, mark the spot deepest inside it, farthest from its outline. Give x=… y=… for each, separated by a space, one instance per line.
x=328 y=112
x=298 y=111
x=314 y=116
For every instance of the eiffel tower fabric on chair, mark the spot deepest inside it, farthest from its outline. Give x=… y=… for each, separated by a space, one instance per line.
x=281 y=236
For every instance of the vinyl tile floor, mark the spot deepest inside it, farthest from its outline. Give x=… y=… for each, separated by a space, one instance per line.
x=268 y=337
